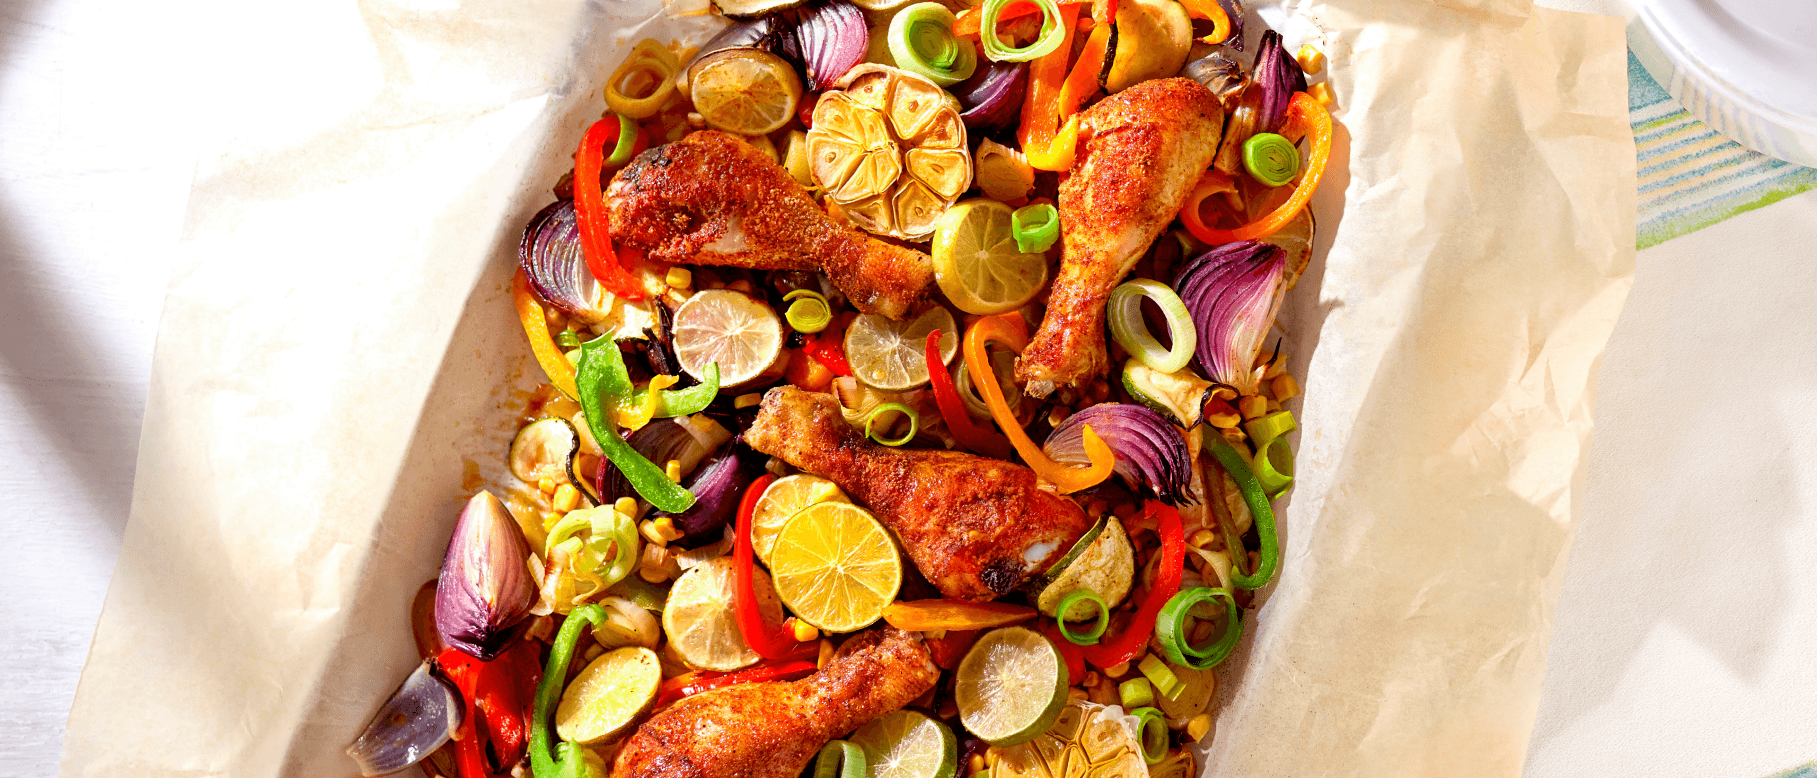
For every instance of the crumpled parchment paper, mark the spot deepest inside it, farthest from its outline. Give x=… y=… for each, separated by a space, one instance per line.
x=339 y=366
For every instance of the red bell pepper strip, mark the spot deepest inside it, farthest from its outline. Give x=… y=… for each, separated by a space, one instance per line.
x=1317 y=121
x=967 y=431
x=1128 y=643
x=949 y=649
x=1072 y=653
x=694 y=683
x=770 y=641
x=825 y=349
x=498 y=697
x=590 y=209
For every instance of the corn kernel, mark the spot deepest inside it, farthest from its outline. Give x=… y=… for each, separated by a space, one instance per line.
x=1201 y=632
x=647 y=529
x=1057 y=415
x=1076 y=694
x=1202 y=538
x=1321 y=92
x=679 y=278
x=977 y=763
x=1285 y=388
x=804 y=631
x=1254 y=406
x=626 y=506
x=1117 y=670
x=826 y=653
x=1198 y=727
x=1311 y=60
x=549 y=520
x=558 y=321
x=1274 y=405
x=546 y=485
x=742 y=286
x=1224 y=393
x=1223 y=420
x=665 y=529
x=747 y=401
x=673 y=469
x=565 y=498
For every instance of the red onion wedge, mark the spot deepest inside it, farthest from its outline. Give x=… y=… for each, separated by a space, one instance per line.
x=1278 y=75
x=826 y=38
x=1233 y=293
x=484 y=592
x=1150 y=450
x=992 y=97
x=717 y=487
x=553 y=261
x=420 y=716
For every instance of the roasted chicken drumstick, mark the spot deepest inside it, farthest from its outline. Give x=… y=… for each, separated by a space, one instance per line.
x=771 y=730
x=713 y=199
x=976 y=527
x=1147 y=147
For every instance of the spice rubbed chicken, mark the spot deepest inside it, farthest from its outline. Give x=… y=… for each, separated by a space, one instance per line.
x=1142 y=151
x=713 y=199
x=976 y=527
x=771 y=730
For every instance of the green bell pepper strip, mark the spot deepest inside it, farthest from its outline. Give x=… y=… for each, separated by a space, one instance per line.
x=563 y=759
x=1171 y=628
x=601 y=378
x=1035 y=227
x=1274 y=458
x=681 y=402
x=1257 y=499
x=841 y=759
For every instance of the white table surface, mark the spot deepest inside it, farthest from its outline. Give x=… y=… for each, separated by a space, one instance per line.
x=1689 y=614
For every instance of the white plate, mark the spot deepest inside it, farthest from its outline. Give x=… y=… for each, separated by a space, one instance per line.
x=1748 y=68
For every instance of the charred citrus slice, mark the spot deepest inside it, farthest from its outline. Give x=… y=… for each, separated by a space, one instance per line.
x=744 y=90
x=890 y=149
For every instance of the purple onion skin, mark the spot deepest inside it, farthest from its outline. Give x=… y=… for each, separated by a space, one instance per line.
x=1149 y=448
x=659 y=441
x=485 y=590
x=555 y=264
x=825 y=39
x=1232 y=291
x=1234 y=10
x=1278 y=75
x=718 y=485
x=992 y=97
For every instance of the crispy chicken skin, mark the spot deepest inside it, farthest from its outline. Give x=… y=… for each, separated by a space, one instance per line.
x=1147 y=147
x=771 y=730
x=976 y=527
x=713 y=199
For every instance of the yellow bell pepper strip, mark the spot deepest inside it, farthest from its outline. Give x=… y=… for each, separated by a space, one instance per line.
x=1046 y=144
x=602 y=379
x=590 y=209
x=927 y=615
x=1233 y=463
x=565 y=759
x=1317 y=121
x=1210 y=11
x=640 y=406
x=536 y=328
x=1009 y=330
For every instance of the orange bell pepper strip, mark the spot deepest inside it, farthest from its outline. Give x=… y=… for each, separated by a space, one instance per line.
x=1212 y=182
x=970 y=22
x=530 y=312
x=1045 y=143
x=590 y=208
x=1009 y=330
x=1211 y=11
x=1317 y=122
x=924 y=615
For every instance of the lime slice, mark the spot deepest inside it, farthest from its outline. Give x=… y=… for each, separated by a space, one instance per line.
x=605 y=697
x=698 y=618
x=744 y=90
x=976 y=261
x=735 y=330
x=1296 y=240
x=906 y=744
x=1011 y=686
x=890 y=355
x=835 y=566
x=785 y=498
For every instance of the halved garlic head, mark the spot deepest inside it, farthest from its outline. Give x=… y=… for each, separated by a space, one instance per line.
x=890 y=149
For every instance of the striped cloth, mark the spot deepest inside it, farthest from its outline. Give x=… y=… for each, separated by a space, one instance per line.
x=1691 y=177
